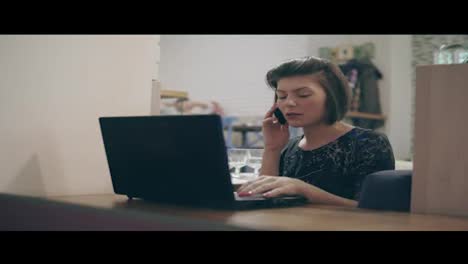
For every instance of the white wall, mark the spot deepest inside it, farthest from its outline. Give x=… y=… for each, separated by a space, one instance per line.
x=399 y=124
x=52 y=91
x=231 y=69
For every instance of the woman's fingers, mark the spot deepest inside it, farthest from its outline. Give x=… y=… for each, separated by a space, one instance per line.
x=265 y=187
x=270 y=111
x=249 y=185
x=270 y=120
x=246 y=188
x=280 y=191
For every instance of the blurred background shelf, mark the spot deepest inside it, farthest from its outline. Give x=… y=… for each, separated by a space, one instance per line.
x=174 y=94
x=365 y=115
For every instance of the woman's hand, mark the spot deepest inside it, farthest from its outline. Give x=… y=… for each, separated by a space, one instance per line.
x=275 y=135
x=274 y=186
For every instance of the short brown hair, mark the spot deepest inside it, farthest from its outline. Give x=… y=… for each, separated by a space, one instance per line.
x=329 y=76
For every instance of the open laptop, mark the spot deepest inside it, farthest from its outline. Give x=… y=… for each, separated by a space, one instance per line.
x=178 y=160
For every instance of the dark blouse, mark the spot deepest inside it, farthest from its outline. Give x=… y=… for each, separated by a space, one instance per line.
x=339 y=167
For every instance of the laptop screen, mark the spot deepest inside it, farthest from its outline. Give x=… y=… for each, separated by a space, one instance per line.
x=174 y=159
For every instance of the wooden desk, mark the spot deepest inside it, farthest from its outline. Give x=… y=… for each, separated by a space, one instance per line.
x=307 y=217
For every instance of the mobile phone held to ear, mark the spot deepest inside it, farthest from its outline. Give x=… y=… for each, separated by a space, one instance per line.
x=279 y=115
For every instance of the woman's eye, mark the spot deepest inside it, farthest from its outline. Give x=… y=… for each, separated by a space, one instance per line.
x=281 y=97
x=304 y=95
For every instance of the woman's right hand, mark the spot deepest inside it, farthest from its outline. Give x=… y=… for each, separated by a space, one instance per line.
x=275 y=135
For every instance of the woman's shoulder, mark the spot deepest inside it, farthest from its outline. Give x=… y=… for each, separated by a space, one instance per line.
x=367 y=139
x=362 y=138
x=366 y=135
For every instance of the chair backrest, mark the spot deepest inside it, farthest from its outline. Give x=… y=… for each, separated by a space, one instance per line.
x=387 y=190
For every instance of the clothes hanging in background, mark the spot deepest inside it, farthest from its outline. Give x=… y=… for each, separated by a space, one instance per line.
x=363 y=77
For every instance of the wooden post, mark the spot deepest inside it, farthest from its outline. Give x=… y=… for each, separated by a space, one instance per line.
x=440 y=177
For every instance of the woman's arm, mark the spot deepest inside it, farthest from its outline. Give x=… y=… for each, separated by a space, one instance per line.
x=317 y=195
x=270 y=162
x=276 y=137
x=375 y=154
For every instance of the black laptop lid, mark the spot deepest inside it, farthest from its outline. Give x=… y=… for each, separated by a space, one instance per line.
x=173 y=159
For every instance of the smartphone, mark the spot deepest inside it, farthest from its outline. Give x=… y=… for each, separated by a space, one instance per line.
x=278 y=114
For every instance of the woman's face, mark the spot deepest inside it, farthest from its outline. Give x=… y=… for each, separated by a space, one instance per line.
x=302 y=100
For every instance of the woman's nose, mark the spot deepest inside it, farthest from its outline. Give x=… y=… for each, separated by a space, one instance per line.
x=290 y=102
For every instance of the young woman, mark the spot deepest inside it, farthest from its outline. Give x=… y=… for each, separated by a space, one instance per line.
x=329 y=162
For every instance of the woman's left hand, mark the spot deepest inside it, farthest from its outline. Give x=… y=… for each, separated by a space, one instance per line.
x=273 y=186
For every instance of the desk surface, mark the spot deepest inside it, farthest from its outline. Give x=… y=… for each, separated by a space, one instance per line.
x=307 y=217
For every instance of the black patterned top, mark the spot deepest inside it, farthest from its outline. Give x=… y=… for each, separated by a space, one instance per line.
x=340 y=166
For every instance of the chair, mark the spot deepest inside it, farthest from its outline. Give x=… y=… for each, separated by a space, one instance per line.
x=387 y=190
